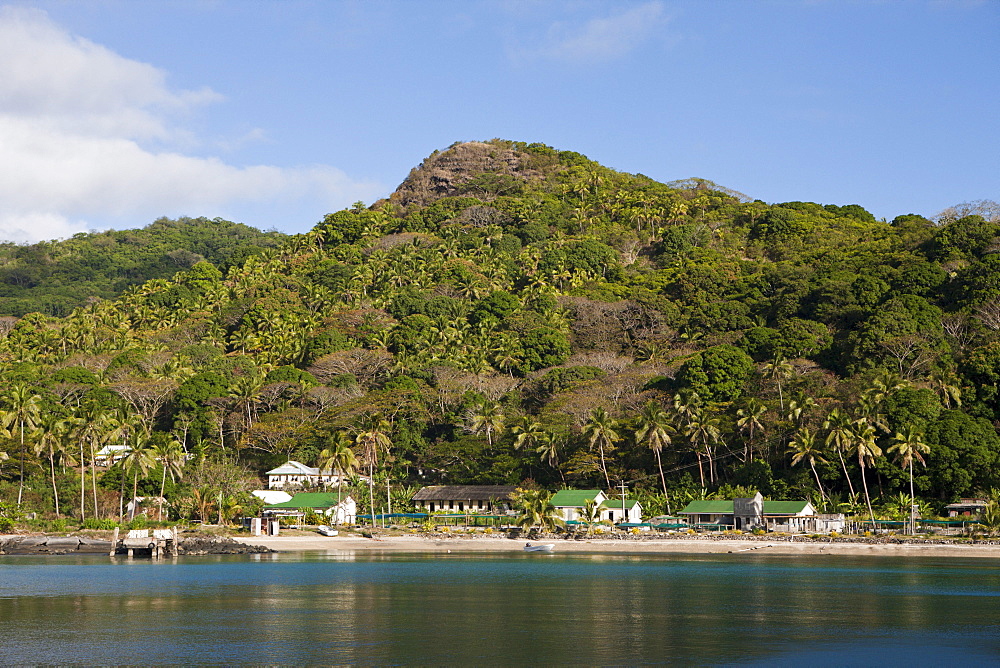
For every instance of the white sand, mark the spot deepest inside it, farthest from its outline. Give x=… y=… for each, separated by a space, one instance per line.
x=665 y=546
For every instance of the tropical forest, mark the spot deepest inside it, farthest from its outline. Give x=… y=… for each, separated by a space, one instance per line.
x=512 y=314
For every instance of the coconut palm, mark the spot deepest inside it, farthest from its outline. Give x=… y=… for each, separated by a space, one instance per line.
x=600 y=432
x=749 y=420
x=703 y=431
x=53 y=432
x=838 y=428
x=778 y=370
x=338 y=457
x=864 y=446
x=909 y=445
x=590 y=514
x=536 y=509
x=805 y=447
x=655 y=427
x=170 y=455
x=488 y=417
x=373 y=441
x=527 y=433
x=21 y=416
x=137 y=462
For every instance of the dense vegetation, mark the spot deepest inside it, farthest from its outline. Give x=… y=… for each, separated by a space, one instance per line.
x=58 y=276
x=517 y=314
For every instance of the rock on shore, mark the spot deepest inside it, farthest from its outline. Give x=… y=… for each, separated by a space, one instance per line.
x=195 y=545
x=190 y=545
x=54 y=545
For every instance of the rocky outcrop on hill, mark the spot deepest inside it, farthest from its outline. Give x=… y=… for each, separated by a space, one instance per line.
x=455 y=171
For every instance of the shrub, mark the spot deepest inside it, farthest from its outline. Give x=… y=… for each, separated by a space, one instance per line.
x=105 y=524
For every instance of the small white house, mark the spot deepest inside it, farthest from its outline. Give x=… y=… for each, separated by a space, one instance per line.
x=569 y=502
x=617 y=511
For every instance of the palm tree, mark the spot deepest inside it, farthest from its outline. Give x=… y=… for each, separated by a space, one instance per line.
x=838 y=427
x=373 y=441
x=600 y=431
x=136 y=462
x=654 y=430
x=590 y=514
x=863 y=444
x=170 y=455
x=487 y=417
x=53 y=431
x=909 y=445
x=749 y=419
x=527 y=433
x=25 y=408
x=805 y=447
x=338 y=457
x=778 y=370
x=703 y=429
x=536 y=509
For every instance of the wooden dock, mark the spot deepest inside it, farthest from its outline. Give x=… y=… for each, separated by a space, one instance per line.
x=157 y=544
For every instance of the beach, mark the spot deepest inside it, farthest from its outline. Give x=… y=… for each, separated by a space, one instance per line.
x=714 y=545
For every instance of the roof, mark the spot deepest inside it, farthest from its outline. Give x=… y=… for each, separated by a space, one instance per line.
x=292 y=467
x=272 y=495
x=617 y=503
x=310 y=500
x=722 y=507
x=464 y=493
x=574 y=498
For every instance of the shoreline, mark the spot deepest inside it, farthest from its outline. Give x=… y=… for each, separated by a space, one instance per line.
x=341 y=544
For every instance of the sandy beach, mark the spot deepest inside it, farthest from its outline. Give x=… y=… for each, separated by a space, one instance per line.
x=651 y=546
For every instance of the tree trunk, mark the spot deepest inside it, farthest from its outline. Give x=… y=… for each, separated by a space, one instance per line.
x=818 y=483
x=868 y=500
x=83 y=485
x=843 y=465
x=55 y=492
x=93 y=478
x=20 y=487
x=163 y=484
x=371 y=492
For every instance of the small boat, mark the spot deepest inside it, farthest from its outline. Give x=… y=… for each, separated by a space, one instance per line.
x=546 y=547
x=327 y=531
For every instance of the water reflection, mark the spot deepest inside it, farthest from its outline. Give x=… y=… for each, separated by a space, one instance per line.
x=486 y=608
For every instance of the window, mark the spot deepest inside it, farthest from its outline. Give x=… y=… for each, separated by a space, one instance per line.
x=461 y=506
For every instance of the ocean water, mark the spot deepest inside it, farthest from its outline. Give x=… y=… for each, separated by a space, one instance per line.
x=509 y=609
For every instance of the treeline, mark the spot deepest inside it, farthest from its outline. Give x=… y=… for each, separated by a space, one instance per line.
x=517 y=314
x=55 y=277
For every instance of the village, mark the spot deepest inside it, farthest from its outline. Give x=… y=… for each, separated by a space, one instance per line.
x=292 y=497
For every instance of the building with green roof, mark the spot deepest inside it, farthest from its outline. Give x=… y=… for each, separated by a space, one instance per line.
x=569 y=503
x=756 y=512
x=339 y=509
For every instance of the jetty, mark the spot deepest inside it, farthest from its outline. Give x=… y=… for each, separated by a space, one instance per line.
x=157 y=544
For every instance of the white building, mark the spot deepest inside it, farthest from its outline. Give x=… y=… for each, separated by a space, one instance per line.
x=297 y=474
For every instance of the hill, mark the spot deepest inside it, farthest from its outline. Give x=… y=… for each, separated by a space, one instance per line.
x=54 y=277
x=522 y=315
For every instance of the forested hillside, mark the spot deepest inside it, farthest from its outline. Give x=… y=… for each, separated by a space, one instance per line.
x=58 y=276
x=518 y=314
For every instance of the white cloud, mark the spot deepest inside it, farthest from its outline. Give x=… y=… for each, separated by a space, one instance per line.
x=76 y=124
x=603 y=39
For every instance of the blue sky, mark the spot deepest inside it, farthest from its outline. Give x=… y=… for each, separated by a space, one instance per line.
x=275 y=113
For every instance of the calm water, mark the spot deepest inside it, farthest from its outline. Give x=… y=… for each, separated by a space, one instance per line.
x=505 y=609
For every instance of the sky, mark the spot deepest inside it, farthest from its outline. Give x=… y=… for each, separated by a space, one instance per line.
x=275 y=113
